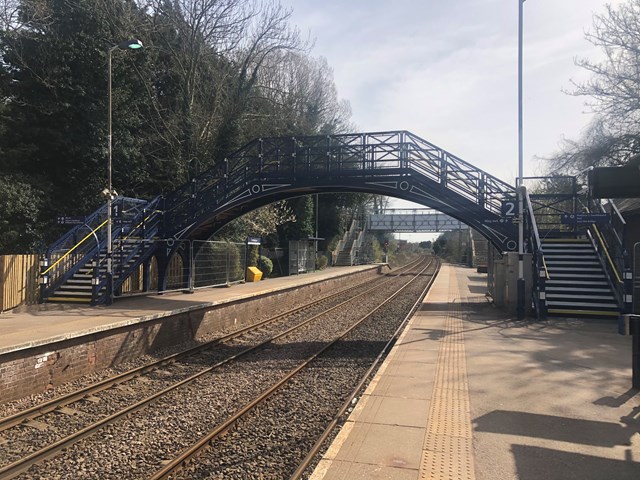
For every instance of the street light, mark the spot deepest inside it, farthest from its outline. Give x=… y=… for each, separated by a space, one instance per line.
x=520 y=302
x=133 y=44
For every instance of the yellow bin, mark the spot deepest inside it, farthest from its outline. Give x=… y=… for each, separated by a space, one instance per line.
x=254 y=274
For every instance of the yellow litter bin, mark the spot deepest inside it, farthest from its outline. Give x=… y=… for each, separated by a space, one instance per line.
x=254 y=274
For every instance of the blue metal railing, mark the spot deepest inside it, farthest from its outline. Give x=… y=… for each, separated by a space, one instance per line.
x=350 y=155
x=85 y=245
x=607 y=239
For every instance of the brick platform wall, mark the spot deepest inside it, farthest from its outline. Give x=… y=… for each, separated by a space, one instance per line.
x=37 y=369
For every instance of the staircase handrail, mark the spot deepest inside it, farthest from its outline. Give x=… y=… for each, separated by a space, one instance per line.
x=70 y=233
x=356 y=246
x=88 y=221
x=85 y=251
x=540 y=271
x=144 y=227
x=608 y=240
x=91 y=233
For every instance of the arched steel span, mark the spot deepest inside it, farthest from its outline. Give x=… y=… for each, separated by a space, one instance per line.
x=398 y=164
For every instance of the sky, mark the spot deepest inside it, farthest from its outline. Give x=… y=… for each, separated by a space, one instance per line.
x=446 y=70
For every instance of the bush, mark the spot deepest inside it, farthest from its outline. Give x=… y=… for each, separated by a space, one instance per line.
x=265 y=265
x=322 y=262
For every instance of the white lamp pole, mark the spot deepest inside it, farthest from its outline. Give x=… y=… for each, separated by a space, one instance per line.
x=132 y=44
x=520 y=308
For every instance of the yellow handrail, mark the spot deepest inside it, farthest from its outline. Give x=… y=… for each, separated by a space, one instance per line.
x=546 y=272
x=137 y=226
x=606 y=251
x=74 y=247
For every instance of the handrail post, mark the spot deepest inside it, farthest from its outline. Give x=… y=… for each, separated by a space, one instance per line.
x=628 y=290
x=44 y=278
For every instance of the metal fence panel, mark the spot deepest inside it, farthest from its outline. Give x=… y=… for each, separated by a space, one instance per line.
x=301 y=257
x=218 y=263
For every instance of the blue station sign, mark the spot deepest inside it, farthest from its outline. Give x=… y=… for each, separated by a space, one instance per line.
x=584 y=218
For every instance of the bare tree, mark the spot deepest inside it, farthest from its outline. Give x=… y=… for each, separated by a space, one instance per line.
x=613 y=93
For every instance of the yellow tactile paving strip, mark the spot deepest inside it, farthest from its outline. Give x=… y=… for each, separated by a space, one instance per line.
x=413 y=420
x=448 y=452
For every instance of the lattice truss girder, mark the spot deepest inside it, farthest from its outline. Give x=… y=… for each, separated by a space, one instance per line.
x=394 y=163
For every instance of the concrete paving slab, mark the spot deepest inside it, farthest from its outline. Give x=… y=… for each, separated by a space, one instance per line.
x=416 y=387
x=410 y=412
x=350 y=471
x=383 y=445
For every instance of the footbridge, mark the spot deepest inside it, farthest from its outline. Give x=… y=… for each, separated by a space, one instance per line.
x=396 y=163
x=413 y=220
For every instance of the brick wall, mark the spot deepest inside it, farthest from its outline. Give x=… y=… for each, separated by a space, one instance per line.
x=40 y=368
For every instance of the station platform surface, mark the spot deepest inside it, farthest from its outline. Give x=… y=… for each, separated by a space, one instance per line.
x=43 y=324
x=469 y=393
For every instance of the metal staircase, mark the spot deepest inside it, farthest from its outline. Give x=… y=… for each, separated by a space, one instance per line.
x=581 y=268
x=578 y=284
x=74 y=268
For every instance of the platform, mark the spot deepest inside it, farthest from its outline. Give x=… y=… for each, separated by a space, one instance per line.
x=469 y=393
x=49 y=323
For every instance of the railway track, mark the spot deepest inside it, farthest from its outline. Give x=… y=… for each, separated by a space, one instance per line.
x=118 y=396
x=253 y=432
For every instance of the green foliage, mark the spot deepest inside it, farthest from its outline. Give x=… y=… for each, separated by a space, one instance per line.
x=181 y=104
x=252 y=255
x=453 y=246
x=265 y=266
x=20 y=205
x=425 y=245
x=323 y=261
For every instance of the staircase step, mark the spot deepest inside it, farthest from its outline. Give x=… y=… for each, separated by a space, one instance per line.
x=585 y=305
x=567 y=312
x=65 y=292
x=576 y=289
x=574 y=296
x=554 y=281
x=69 y=300
x=591 y=276
x=546 y=241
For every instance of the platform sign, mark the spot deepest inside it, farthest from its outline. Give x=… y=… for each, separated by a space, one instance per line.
x=584 y=218
x=509 y=207
x=254 y=240
x=494 y=221
x=64 y=220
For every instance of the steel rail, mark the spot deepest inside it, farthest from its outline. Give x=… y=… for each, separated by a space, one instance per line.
x=56 y=403
x=183 y=460
x=19 y=466
x=315 y=449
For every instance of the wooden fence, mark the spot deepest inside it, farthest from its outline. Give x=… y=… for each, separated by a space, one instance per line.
x=18 y=281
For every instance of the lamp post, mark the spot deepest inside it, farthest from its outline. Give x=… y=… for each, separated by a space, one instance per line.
x=520 y=306
x=133 y=44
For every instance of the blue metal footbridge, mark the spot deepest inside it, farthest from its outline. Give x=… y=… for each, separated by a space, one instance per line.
x=396 y=163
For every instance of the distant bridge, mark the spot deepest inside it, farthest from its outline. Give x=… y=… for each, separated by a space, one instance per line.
x=414 y=220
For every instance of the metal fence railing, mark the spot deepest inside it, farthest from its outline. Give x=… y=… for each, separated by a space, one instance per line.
x=301 y=257
x=218 y=263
